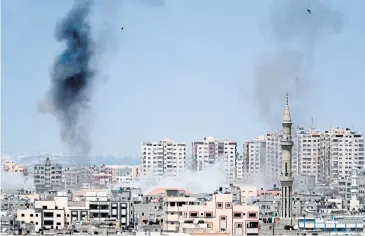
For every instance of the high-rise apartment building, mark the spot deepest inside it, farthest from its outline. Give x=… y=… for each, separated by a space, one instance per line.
x=207 y=151
x=163 y=158
x=273 y=157
x=47 y=176
x=254 y=157
x=343 y=152
x=326 y=155
x=310 y=153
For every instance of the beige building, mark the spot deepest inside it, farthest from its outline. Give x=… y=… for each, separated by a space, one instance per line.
x=184 y=214
x=11 y=166
x=124 y=173
x=46 y=214
x=102 y=179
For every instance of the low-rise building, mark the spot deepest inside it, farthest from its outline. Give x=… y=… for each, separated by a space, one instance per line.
x=186 y=215
x=60 y=213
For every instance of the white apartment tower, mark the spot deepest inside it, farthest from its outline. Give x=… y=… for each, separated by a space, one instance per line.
x=163 y=158
x=343 y=152
x=207 y=151
x=286 y=179
x=254 y=161
x=310 y=153
x=273 y=156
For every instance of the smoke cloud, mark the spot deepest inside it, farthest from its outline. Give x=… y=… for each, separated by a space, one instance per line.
x=288 y=68
x=13 y=181
x=207 y=180
x=69 y=97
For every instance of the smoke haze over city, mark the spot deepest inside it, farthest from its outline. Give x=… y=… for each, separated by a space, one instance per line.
x=173 y=68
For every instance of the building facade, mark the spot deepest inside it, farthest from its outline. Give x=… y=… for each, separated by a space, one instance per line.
x=208 y=151
x=163 y=158
x=47 y=176
x=186 y=215
x=254 y=153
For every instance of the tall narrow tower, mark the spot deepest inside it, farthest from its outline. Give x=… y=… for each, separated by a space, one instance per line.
x=286 y=178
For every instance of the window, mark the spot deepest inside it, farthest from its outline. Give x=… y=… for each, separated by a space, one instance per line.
x=193 y=214
x=48 y=214
x=58 y=215
x=208 y=214
x=228 y=205
x=237 y=215
x=251 y=225
x=252 y=214
x=48 y=222
x=56 y=207
x=31 y=215
x=22 y=215
x=58 y=223
x=219 y=205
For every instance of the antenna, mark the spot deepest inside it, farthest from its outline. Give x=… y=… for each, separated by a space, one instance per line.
x=312 y=123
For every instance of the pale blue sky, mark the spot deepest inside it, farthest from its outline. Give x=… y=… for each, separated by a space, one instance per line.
x=182 y=70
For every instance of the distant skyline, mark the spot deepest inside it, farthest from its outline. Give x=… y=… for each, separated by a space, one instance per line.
x=182 y=70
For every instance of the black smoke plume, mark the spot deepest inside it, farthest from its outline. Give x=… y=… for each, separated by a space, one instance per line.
x=71 y=81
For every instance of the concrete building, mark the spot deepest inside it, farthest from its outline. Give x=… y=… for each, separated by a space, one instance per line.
x=286 y=179
x=240 y=168
x=59 y=213
x=207 y=151
x=184 y=214
x=71 y=178
x=344 y=151
x=125 y=173
x=45 y=214
x=163 y=158
x=310 y=153
x=347 y=187
x=304 y=184
x=346 y=224
x=47 y=176
x=273 y=157
x=11 y=166
x=254 y=161
x=269 y=202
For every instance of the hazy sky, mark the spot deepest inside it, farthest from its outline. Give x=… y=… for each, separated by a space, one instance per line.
x=182 y=69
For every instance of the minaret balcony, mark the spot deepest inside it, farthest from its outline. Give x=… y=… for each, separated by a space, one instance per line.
x=286 y=143
x=286 y=180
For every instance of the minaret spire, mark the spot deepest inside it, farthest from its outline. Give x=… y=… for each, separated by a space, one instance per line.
x=287 y=99
x=286 y=178
x=287 y=116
